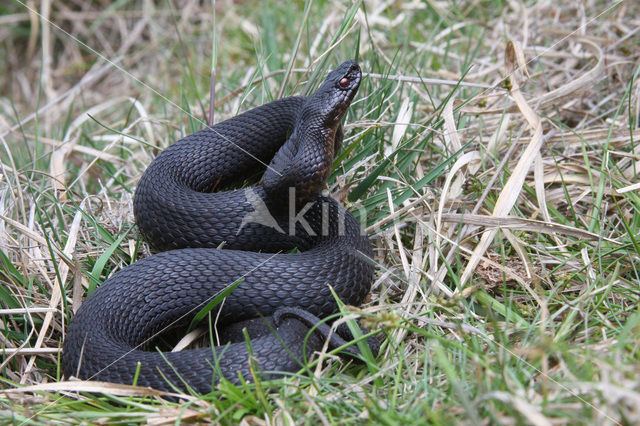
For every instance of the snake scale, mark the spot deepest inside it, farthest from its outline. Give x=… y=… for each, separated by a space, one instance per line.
x=185 y=208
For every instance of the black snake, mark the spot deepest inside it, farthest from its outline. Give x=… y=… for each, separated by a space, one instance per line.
x=184 y=208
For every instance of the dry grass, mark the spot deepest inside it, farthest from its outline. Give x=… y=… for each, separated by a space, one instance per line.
x=505 y=222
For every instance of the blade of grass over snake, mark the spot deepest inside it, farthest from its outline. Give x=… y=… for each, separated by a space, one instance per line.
x=206 y=309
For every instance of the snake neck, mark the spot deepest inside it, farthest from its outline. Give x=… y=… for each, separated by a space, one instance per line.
x=300 y=169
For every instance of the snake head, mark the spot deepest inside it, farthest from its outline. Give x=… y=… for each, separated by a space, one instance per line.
x=331 y=100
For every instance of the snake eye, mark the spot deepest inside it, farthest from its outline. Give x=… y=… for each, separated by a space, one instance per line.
x=344 y=82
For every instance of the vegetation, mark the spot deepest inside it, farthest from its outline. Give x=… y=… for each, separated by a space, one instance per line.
x=492 y=154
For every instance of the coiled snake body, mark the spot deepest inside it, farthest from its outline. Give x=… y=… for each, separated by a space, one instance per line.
x=175 y=208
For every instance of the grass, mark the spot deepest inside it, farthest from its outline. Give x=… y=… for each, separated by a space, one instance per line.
x=505 y=224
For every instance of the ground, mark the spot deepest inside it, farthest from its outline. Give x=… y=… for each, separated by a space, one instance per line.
x=491 y=153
